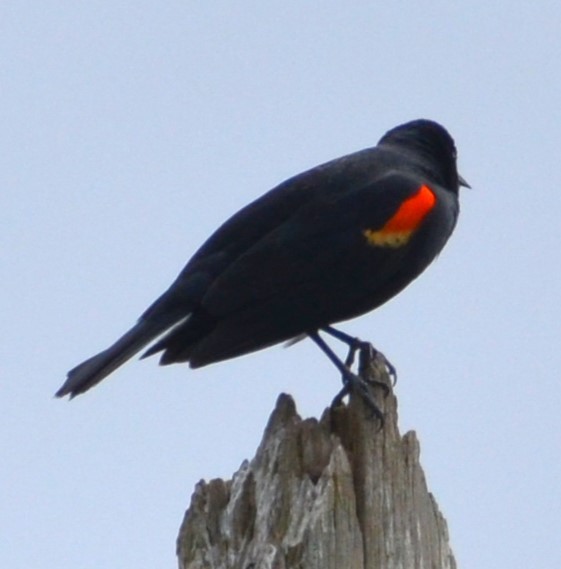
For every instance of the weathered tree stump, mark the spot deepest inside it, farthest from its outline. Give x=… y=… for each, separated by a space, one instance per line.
x=339 y=493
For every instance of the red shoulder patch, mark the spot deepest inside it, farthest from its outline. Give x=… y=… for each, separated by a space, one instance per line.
x=399 y=228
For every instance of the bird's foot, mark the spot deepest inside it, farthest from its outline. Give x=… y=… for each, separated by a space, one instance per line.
x=372 y=364
x=374 y=370
x=355 y=384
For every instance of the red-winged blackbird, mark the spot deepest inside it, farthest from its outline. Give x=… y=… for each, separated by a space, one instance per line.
x=324 y=246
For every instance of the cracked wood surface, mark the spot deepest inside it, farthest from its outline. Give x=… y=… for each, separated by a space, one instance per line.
x=339 y=493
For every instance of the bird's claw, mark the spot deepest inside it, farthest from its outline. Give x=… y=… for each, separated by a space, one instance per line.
x=356 y=384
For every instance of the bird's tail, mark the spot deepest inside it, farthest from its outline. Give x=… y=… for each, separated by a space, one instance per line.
x=98 y=367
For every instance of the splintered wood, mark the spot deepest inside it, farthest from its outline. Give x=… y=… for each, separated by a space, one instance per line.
x=339 y=493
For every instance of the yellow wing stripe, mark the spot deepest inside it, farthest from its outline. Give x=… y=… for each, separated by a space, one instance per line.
x=400 y=227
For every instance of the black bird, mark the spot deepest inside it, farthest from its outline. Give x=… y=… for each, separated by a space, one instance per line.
x=324 y=246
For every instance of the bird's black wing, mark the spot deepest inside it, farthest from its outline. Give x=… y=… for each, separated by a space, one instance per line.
x=253 y=223
x=312 y=248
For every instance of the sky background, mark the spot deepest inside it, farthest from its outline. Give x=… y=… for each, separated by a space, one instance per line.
x=131 y=130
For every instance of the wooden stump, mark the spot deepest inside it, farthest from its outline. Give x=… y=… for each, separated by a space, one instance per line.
x=339 y=493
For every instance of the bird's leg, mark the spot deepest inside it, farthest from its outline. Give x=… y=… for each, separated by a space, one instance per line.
x=351 y=381
x=358 y=345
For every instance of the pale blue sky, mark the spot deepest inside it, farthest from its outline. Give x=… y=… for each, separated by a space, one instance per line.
x=130 y=130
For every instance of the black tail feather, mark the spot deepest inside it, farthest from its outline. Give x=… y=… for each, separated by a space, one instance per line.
x=98 y=367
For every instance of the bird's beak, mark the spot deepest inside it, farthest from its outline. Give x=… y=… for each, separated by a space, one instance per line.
x=463 y=183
